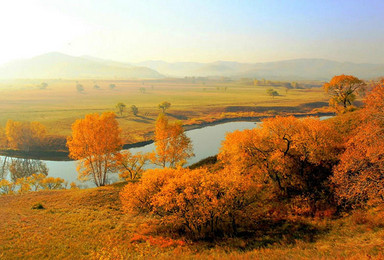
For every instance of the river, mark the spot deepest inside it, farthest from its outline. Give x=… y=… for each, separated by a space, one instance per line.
x=206 y=142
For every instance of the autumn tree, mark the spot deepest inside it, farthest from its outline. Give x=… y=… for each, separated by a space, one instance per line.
x=164 y=106
x=3 y=139
x=95 y=141
x=25 y=135
x=120 y=107
x=173 y=147
x=23 y=185
x=292 y=157
x=360 y=175
x=131 y=166
x=343 y=90
x=35 y=181
x=7 y=187
x=51 y=183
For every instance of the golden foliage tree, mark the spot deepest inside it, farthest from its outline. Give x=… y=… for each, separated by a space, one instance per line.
x=294 y=157
x=7 y=187
x=360 y=175
x=343 y=90
x=3 y=139
x=173 y=147
x=51 y=183
x=25 y=135
x=95 y=141
x=164 y=106
x=35 y=181
x=131 y=166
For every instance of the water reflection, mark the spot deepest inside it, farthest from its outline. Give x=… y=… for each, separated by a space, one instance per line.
x=15 y=168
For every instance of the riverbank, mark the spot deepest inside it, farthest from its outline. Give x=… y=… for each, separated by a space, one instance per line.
x=64 y=155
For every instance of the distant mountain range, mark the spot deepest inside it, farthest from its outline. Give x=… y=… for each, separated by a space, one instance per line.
x=58 y=65
x=299 y=69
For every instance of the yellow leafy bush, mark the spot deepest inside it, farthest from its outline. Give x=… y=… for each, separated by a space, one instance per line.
x=196 y=202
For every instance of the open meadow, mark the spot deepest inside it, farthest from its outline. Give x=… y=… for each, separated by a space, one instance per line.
x=192 y=101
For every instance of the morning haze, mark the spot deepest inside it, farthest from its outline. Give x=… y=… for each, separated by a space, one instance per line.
x=178 y=129
x=199 y=31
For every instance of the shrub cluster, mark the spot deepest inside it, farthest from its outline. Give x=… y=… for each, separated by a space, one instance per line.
x=34 y=182
x=195 y=202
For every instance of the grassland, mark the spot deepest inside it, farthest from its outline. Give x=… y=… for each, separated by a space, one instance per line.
x=60 y=104
x=89 y=224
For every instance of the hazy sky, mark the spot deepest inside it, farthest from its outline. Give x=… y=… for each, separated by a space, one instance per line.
x=195 y=30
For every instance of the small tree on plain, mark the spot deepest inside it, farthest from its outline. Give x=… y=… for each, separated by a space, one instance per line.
x=134 y=110
x=164 y=106
x=120 y=107
x=80 y=88
x=271 y=92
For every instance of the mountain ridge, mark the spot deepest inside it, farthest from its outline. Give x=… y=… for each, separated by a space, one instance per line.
x=59 y=65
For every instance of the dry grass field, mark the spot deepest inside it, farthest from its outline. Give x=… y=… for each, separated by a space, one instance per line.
x=60 y=104
x=89 y=224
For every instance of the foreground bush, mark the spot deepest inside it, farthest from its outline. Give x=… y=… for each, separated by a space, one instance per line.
x=359 y=178
x=197 y=203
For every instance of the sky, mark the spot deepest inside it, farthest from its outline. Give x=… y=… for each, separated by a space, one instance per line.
x=195 y=30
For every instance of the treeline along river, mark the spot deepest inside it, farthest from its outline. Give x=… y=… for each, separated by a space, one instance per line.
x=206 y=142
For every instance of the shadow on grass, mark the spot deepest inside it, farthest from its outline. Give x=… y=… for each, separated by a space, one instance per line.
x=145 y=118
x=268 y=232
x=284 y=231
x=178 y=117
x=142 y=119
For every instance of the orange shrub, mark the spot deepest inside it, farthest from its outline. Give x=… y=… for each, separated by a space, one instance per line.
x=197 y=202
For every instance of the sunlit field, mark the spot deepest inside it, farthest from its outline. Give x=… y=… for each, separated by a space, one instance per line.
x=78 y=224
x=60 y=104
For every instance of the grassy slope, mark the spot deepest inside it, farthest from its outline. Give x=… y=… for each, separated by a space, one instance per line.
x=83 y=224
x=60 y=104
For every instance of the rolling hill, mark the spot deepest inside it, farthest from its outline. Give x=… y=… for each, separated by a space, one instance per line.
x=298 y=69
x=58 y=65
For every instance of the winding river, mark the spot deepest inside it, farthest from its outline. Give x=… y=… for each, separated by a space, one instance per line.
x=206 y=142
